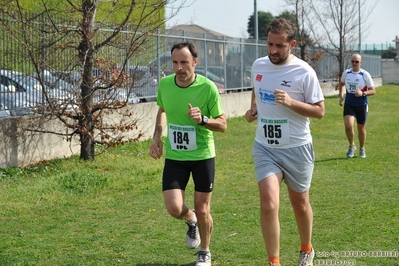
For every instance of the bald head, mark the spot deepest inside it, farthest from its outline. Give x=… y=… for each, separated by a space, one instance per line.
x=356 y=62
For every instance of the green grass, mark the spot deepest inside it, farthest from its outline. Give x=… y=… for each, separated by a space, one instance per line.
x=111 y=211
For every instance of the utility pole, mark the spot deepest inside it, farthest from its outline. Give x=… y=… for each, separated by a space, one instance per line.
x=255 y=21
x=360 y=22
x=256 y=27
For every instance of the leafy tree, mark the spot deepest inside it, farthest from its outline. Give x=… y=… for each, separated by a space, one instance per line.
x=264 y=20
x=70 y=35
x=288 y=15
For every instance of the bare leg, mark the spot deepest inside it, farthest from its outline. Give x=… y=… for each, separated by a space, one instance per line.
x=349 y=131
x=361 y=129
x=202 y=202
x=174 y=201
x=269 y=190
x=303 y=214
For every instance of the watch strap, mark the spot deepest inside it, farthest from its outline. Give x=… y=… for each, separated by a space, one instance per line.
x=204 y=120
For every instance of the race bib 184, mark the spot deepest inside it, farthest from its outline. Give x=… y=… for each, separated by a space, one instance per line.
x=182 y=137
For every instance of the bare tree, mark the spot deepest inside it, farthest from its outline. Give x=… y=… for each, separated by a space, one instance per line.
x=335 y=26
x=80 y=37
x=298 y=17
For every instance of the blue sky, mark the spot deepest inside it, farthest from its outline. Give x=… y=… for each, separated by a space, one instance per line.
x=230 y=17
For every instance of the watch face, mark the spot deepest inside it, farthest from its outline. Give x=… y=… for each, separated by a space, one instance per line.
x=204 y=120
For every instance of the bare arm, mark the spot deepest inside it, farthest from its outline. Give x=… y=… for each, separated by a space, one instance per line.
x=217 y=124
x=252 y=112
x=342 y=89
x=370 y=91
x=157 y=145
x=315 y=110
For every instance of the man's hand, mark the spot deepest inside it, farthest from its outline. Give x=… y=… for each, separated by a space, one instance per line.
x=251 y=114
x=341 y=99
x=282 y=97
x=358 y=93
x=194 y=113
x=156 y=149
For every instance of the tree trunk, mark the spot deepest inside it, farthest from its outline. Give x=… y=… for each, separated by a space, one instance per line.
x=86 y=123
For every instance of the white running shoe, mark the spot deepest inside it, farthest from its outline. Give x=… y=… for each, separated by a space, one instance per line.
x=193 y=239
x=306 y=259
x=204 y=258
x=362 y=153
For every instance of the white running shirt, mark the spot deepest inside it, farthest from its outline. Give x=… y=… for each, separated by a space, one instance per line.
x=279 y=126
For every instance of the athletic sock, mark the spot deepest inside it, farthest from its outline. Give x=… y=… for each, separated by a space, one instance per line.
x=275 y=260
x=306 y=248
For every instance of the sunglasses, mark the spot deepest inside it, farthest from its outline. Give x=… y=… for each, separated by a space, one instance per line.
x=355 y=62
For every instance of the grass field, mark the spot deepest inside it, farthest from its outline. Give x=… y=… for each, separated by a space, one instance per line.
x=111 y=211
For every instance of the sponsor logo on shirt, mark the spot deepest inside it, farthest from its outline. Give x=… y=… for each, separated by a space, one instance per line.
x=266 y=96
x=286 y=83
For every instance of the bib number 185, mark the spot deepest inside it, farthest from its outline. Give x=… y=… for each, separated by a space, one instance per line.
x=272 y=133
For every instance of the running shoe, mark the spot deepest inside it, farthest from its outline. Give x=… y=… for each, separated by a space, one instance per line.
x=351 y=151
x=192 y=237
x=204 y=258
x=362 y=153
x=306 y=259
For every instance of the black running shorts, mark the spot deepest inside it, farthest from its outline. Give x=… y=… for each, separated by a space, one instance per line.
x=176 y=174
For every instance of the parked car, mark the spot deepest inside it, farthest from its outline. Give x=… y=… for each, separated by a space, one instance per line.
x=118 y=94
x=113 y=95
x=143 y=83
x=72 y=77
x=4 y=112
x=121 y=95
x=139 y=80
x=56 y=87
x=210 y=75
x=20 y=93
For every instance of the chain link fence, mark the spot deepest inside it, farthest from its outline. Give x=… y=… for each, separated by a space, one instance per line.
x=51 y=47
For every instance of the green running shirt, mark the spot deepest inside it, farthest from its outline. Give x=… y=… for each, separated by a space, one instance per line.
x=186 y=140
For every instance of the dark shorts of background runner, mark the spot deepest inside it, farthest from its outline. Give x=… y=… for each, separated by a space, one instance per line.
x=176 y=174
x=360 y=112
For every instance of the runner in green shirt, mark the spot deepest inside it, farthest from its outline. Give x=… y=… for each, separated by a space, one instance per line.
x=190 y=108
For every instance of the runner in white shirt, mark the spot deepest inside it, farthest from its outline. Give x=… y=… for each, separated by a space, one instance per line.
x=357 y=84
x=286 y=92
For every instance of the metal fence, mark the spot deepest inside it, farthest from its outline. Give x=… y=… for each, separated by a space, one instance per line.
x=227 y=61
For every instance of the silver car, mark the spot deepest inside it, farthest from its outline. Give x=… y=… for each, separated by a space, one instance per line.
x=20 y=93
x=144 y=85
x=4 y=112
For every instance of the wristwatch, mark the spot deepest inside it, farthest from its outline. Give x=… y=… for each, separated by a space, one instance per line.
x=364 y=94
x=204 y=120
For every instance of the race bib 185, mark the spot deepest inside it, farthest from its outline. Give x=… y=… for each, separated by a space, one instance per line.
x=276 y=131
